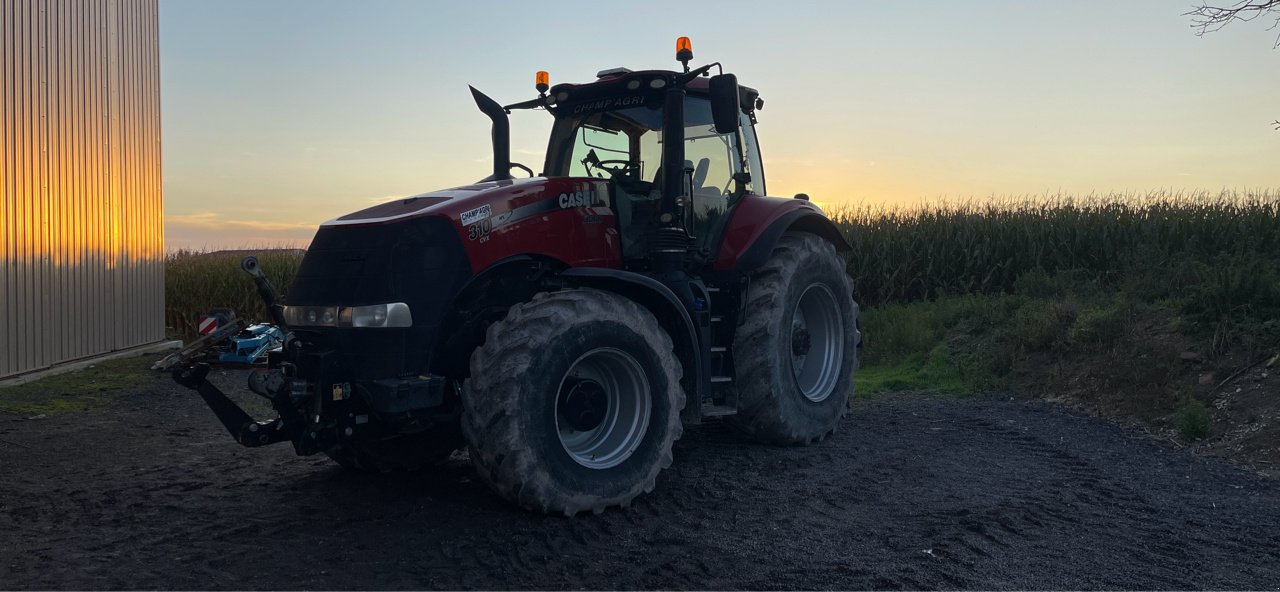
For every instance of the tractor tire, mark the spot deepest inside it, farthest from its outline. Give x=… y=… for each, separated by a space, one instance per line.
x=399 y=453
x=796 y=349
x=573 y=402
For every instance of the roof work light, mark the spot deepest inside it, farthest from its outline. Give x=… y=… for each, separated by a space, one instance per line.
x=684 y=52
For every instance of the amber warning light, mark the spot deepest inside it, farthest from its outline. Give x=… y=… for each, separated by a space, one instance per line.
x=684 y=52
x=542 y=81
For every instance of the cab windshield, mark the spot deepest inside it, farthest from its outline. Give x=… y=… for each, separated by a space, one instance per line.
x=626 y=144
x=592 y=144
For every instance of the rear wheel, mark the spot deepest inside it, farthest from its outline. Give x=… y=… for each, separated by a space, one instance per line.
x=796 y=349
x=573 y=402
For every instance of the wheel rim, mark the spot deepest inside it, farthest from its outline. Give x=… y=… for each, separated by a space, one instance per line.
x=817 y=342
x=602 y=408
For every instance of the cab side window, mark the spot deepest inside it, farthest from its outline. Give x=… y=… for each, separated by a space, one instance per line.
x=715 y=158
x=755 y=165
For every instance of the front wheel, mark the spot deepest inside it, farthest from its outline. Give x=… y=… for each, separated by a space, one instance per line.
x=796 y=349
x=573 y=402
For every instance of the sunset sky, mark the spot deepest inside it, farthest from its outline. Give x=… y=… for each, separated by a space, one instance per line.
x=279 y=115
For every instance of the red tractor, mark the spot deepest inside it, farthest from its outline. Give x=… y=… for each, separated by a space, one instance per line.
x=567 y=326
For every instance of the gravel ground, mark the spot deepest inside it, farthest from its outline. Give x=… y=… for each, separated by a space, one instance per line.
x=913 y=492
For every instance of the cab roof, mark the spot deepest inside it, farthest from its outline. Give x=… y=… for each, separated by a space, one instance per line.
x=621 y=81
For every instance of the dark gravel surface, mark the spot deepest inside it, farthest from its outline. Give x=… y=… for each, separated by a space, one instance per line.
x=913 y=492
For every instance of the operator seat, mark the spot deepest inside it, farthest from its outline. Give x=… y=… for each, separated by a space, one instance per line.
x=705 y=198
x=700 y=173
x=636 y=209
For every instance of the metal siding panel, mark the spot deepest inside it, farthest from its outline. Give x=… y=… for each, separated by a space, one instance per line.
x=84 y=164
x=124 y=187
x=89 y=167
x=101 y=175
x=44 y=354
x=30 y=168
x=59 y=91
x=17 y=119
x=81 y=239
x=7 y=166
x=13 y=164
x=156 y=223
x=22 y=176
x=133 y=202
x=6 y=186
x=113 y=175
x=40 y=225
x=51 y=325
x=71 y=169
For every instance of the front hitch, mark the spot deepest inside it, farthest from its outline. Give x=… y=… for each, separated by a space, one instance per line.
x=290 y=424
x=265 y=291
x=246 y=430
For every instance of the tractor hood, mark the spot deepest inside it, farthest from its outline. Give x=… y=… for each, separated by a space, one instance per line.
x=449 y=202
x=421 y=250
x=567 y=219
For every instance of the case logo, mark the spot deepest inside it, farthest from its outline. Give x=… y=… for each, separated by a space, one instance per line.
x=580 y=199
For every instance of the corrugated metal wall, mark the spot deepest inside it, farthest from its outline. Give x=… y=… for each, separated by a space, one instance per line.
x=81 y=233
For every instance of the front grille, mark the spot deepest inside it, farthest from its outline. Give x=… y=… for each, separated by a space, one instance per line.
x=418 y=261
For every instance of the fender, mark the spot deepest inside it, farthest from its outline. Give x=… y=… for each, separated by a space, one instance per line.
x=664 y=305
x=484 y=298
x=752 y=244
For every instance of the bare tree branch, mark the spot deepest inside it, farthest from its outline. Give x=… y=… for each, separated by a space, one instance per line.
x=1207 y=19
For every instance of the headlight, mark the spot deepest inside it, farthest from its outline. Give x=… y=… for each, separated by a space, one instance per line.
x=395 y=314
x=311 y=316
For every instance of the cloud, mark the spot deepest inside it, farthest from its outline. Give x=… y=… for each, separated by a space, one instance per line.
x=212 y=231
x=215 y=221
x=373 y=201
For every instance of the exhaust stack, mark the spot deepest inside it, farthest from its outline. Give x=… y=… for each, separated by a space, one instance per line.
x=501 y=135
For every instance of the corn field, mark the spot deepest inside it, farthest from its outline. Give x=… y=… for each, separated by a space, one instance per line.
x=196 y=282
x=908 y=254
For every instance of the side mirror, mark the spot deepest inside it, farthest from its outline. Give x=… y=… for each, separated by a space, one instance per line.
x=724 y=102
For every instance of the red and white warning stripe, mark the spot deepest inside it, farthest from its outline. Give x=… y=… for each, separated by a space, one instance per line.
x=207 y=324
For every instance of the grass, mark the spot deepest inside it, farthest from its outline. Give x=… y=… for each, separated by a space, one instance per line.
x=934 y=371
x=1193 y=420
x=81 y=390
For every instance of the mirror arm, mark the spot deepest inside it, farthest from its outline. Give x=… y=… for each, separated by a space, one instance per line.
x=530 y=104
x=684 y=79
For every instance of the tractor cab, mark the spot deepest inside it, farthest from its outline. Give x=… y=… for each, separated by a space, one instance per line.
x=613 y=129
x=616 y=129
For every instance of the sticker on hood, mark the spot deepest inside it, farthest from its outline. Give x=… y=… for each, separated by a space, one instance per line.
x=470 y=217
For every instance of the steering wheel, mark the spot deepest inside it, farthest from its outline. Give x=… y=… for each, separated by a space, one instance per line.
x=516 y=165
x=618 y=167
